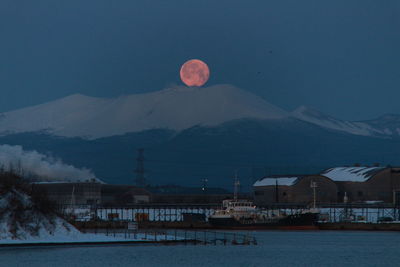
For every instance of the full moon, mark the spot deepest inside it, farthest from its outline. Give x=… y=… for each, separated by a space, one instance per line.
x=194 y=73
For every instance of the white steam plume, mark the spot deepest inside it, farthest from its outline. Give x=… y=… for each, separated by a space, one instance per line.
x=32 y=164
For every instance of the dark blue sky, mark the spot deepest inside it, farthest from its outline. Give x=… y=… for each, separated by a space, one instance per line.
x=341 y=57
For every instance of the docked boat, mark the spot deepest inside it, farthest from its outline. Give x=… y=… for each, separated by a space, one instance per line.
x=242 y=214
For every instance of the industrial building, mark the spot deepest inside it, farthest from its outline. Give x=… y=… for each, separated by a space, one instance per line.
x=124 y=195
x=360 y=184
x=173 y=194
x=92 y=193
x=340 y=184
x=88 y=193
x=294 y=189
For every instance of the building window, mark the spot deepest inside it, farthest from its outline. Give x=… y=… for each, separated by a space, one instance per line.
x=284 y=194
x=360 y=193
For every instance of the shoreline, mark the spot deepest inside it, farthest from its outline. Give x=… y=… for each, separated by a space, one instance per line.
x=318 y=227
x=94 y=243
x=160 y=225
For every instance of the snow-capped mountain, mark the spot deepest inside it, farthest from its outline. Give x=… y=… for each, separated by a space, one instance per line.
x=385 y=126
x=388 y=124
x=233 y=128
x=176 y=108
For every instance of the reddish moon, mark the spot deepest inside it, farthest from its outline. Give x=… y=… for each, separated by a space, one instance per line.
x=194 y=73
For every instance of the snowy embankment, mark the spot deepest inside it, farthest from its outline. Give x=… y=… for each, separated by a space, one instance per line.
x=27 y=217
x=76 y=237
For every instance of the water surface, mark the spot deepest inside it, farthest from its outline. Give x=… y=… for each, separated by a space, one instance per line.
x=275 y=248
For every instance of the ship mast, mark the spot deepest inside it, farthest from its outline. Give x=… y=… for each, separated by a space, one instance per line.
x=73 y=197
x=236 y=188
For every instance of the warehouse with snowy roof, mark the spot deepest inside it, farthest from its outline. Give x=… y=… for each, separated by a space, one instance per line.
x=293 y=189
x=334 y=185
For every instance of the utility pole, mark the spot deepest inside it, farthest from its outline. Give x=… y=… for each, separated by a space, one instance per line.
x=314 y=187
x=140 y=180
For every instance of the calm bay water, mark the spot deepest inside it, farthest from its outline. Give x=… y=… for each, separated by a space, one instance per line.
x=275 y=248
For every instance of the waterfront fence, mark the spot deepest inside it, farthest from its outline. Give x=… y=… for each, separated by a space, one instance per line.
x=370 y=213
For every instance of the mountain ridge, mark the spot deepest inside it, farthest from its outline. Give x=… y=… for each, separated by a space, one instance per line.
x=375 y=128
x=176 y=108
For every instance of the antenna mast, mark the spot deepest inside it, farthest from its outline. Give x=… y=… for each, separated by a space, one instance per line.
x=140 y=180
x=236 y=187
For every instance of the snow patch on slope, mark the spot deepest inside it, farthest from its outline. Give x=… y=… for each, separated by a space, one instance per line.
x=389 y=124
x=315 y=117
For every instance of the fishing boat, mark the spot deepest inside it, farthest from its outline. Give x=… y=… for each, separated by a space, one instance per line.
x=243 y=214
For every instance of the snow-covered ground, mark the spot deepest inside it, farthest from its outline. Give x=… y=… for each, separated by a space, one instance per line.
x=26 y=219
